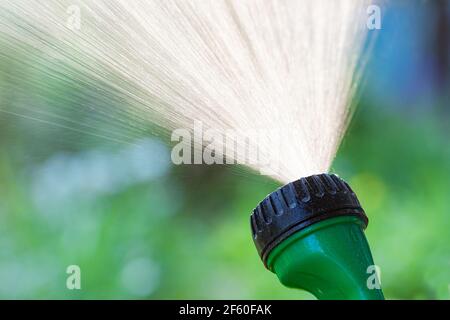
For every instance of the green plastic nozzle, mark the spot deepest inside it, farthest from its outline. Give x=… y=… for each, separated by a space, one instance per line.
x=310 y=234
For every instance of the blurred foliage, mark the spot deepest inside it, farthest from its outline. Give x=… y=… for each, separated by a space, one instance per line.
x=399 y=165
x=140 y=228
x=186 y=234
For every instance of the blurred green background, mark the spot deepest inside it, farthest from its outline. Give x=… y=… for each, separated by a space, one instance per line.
x=139 y=227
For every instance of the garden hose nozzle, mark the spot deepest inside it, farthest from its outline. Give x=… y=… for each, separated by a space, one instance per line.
x=310 y=234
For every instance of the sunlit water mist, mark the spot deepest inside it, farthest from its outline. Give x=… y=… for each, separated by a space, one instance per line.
x=283 y=67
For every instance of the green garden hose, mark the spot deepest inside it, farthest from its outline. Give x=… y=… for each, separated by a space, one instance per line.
x=310 y=234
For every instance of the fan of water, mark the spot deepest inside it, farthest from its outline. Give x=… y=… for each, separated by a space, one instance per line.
x=268 y=81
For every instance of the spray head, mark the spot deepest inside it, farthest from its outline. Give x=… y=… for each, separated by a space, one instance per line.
x=310 y=233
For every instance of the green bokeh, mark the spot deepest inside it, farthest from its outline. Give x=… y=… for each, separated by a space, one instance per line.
x=185 y=233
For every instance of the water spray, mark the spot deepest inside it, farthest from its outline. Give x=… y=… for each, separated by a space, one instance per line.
x=284 y=67
x=310 y=234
